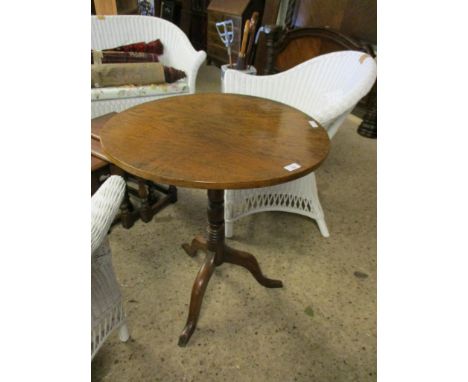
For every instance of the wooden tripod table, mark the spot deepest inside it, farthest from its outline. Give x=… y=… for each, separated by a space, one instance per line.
x=215 y=142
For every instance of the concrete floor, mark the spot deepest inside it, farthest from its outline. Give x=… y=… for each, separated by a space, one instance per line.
x=320 y=327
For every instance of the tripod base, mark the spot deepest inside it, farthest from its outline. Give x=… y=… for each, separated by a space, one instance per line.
x=217 y=253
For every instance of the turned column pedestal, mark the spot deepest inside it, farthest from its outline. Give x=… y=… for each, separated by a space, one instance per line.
x=217 y=253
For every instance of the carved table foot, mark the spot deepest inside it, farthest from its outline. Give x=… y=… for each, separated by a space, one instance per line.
x=198 y=243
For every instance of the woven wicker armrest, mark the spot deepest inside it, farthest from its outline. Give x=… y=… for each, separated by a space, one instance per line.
x=105 y=204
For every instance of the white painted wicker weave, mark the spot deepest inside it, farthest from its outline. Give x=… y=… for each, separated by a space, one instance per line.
x=107 y=311
x=327 y=88
x=111 y=31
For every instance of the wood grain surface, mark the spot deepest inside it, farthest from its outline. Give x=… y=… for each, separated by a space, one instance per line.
x=214 y=141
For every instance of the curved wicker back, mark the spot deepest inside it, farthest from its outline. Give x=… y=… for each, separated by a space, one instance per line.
x=326 y=87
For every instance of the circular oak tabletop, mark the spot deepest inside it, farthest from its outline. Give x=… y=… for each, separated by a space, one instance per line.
x=215 y=141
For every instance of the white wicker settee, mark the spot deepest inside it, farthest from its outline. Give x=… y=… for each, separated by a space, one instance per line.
x=112 y=31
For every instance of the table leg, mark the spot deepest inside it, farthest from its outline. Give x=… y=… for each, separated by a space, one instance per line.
x=143 y=193
x=217 y=253
x=368 y=126
x=126 y=207
x=198 y=290
x=249 y=262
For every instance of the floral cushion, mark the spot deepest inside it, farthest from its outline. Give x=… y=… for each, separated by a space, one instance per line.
x=128 y=91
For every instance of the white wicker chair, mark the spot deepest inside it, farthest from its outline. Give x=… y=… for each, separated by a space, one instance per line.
x=107 y=311
x=111 y=31
x=327 y=88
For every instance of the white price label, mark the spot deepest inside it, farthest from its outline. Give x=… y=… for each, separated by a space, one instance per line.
x=313 y=124
x=292 y=166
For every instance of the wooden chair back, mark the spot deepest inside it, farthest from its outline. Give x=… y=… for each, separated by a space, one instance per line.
x=288 y=48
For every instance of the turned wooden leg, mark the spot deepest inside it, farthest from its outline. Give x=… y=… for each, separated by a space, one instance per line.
x=145 y=210
x=249 y=262
x=368 y=126
x=126 y=211
x=198 y=243
x=196 y=299
x=126 y=207
x=173 y=194
x=215 y=241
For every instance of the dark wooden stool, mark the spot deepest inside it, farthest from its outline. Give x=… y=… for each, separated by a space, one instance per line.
x=143 y=199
